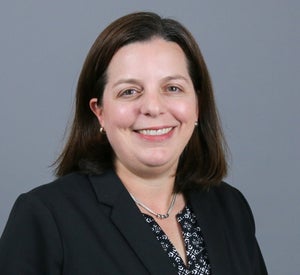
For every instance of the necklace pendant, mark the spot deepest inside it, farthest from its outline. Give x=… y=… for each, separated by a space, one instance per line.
x=162 y=216
x=157 y=215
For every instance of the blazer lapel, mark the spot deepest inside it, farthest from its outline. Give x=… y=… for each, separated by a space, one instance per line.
x=127 y=217
x=206 y=208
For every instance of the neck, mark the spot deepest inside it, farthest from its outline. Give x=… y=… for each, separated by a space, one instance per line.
x=155 y=191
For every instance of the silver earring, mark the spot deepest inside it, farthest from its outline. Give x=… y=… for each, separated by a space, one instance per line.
x=196 y=123
x=102 y=131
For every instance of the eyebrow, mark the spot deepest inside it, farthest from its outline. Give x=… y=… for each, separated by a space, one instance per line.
x=138 y=82
x=175 y=77
x=127 y=81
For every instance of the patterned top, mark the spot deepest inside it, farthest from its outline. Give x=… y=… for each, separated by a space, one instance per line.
x=197 y=256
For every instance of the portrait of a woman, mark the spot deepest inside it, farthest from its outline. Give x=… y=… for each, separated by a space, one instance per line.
x=139 y=186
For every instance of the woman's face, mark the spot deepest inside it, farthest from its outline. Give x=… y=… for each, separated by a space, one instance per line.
x=149 y=107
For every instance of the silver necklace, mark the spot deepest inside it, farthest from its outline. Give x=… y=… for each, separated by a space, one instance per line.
x=157 y=215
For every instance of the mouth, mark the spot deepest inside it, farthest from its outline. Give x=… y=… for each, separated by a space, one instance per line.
x=155 y=132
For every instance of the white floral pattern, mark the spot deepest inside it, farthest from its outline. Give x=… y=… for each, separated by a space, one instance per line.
x=197 y=256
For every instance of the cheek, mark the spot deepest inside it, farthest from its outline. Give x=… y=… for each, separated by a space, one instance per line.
x=118 y=115
x=186 y=111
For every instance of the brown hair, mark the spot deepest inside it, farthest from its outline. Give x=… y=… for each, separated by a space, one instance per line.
x=203 y=160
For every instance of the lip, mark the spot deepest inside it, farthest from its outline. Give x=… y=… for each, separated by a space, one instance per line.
x=156 y=133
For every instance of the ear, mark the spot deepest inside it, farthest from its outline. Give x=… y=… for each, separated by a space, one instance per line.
x=97 y=110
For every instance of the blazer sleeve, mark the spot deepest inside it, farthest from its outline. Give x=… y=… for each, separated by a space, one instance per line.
x=30 y=243
x=259 y=267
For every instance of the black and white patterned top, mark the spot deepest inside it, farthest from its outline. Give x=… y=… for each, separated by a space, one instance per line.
x=197 y=256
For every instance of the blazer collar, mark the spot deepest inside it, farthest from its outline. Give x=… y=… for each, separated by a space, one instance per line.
x=126 y=216
x=210 y=219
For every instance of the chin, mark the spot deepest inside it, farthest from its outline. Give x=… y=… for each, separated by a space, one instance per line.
x=158 y=163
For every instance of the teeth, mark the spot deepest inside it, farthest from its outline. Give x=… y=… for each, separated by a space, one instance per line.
x=155 y=132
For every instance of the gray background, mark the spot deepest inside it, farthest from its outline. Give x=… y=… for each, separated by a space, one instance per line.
x=252 y=51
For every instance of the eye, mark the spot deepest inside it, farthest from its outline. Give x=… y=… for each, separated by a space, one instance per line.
x=174 y=89
x=128 y=92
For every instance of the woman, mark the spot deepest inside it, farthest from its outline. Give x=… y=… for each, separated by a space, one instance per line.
x=139 y=188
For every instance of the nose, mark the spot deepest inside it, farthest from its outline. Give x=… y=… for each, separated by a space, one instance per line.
x=152 y=104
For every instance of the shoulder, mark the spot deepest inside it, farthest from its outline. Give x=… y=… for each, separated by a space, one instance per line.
x=69 y=185
x=66 y=195
x=72 y=180
x=226 y=201
x=57 y=196
x=228 y=195
x=223 y=192
x=38 y=222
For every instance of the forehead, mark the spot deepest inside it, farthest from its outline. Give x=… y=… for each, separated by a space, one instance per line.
x=155 y=55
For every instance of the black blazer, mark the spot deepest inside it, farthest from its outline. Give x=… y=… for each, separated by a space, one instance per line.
x=88 y=225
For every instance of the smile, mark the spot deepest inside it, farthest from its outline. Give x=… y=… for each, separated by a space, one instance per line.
x=158 y=132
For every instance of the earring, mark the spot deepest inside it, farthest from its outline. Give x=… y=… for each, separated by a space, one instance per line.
x=196 y=123
x=102 y=131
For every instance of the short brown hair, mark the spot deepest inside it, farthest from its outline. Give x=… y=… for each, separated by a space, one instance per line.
x=202 y=162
